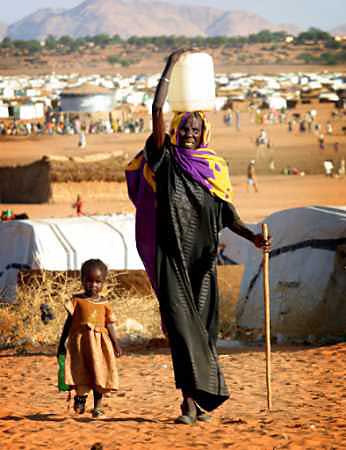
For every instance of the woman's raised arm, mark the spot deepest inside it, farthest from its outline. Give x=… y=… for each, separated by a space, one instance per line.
x=160 y=97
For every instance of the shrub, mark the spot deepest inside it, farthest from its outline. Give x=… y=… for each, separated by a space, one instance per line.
x=114 y=59
x=21 y=323
x=128 y=291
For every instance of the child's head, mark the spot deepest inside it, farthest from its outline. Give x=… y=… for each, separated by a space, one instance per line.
x=93 y=275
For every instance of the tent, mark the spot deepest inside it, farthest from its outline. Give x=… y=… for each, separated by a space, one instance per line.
x=63 y=245
x=233 y=249
x=307 y=276
x=277 y=102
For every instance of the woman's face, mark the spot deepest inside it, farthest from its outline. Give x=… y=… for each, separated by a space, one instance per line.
x=190 y=133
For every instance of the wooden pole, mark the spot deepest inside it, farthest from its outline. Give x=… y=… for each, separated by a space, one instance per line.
x=266 y=296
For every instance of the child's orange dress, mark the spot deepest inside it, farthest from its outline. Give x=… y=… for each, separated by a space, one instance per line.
x=90 y=358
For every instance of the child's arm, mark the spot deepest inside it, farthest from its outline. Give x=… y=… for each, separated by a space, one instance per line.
x=64 y=335
x=113 y=334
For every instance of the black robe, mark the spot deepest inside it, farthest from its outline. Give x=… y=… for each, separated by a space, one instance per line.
x=189 y=219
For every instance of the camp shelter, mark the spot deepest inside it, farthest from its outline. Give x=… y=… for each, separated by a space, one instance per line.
x=4 y=112
x=276 y=102
x=307 y=276
x=328 y=97
x=235 y=249
x=29 y=183
x=127 y=111
x=63 y=245
x=87 y=98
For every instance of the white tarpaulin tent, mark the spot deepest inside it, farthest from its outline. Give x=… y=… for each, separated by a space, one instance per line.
x=235 y=249
x=277 y=102
x=64 y=244
x=307 y=276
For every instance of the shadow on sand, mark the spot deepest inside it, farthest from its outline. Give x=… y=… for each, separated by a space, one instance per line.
x=40 y=417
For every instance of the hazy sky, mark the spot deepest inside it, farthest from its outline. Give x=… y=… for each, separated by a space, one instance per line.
x=321 y=13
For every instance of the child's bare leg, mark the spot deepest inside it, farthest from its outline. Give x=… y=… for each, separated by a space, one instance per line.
x=82 y=390
x=98 y=411
x=97 y=399
x=80 y=399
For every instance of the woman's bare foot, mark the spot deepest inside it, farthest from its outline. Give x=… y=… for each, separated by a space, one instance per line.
x=202 y=416
x=189 y=412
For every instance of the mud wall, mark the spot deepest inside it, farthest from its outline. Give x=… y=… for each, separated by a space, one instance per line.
x=26 y=184
x=32 y=183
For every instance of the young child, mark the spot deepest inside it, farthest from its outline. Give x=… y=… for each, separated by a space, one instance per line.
x=91 y=340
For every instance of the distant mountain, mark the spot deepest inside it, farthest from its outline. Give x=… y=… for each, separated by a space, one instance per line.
x=138 y=17
x=3 y=30
x=201 y=16
x=242 y=23
x=126 y=18
x=340 y=30
x=28 y=28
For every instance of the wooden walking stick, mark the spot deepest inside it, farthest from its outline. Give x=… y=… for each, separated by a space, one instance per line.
x=266 y=296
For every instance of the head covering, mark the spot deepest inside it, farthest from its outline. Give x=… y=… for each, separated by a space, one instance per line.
x=202 y=164
x=180 y=118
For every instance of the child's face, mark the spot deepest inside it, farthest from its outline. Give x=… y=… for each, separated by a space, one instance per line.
x=93 y=282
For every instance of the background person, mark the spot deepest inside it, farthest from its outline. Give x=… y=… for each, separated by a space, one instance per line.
x=251 y=177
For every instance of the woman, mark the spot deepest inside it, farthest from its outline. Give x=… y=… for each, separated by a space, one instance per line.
x=182 y=194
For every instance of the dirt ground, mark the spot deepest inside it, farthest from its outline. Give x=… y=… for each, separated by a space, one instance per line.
x=308 y=411
x=308 y=383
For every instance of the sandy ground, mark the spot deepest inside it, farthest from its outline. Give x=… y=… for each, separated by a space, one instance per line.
x=308 y=404
x=308 y=383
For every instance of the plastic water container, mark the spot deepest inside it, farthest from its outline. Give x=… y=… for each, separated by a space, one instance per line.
x=62 y=386
x=192 y=86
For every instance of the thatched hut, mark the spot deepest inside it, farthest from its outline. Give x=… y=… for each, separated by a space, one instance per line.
x=32 y=183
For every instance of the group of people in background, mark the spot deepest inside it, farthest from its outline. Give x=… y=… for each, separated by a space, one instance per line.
x=298 y=123
x=70 y=124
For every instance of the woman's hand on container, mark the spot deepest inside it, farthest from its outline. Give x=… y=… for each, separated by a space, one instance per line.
x=174 y=56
